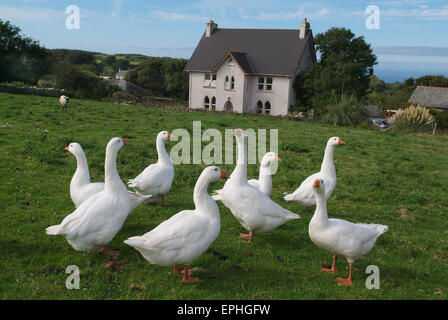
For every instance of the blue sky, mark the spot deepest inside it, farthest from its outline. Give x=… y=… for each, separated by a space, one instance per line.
x=173 y=27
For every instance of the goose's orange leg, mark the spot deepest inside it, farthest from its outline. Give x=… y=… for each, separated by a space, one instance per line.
x=187 y=276
x=176 y=270
x=249 y=236
x=333 y=268
x=347 y=282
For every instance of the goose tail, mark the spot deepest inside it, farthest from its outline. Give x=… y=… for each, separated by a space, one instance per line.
x=53 y=230
x=289 y=197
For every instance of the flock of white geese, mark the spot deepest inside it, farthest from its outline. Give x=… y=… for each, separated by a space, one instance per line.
x=102 y=208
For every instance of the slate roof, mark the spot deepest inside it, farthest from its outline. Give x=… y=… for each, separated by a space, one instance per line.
x=257 y=51
x=435 y=97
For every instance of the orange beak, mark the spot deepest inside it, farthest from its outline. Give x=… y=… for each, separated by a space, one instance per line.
x=316 y=183
x=170 y=135
x=277 y=158
x=224 y=175
x=125 y=140
x=341 y=141
x=67 y=147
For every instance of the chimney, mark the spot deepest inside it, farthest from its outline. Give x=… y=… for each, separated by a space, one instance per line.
x=304 y=29
x=210 y=27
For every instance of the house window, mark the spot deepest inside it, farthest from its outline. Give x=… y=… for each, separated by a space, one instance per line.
x=269 y=83
x=213 y=82
x=231 y=63
x=232 y=83
x=207 y=80
x=213 y=103
x=259 y=107
x=265 y=82
x=260 y=83
x=206 y=103
x=227 y=83
x=267 y=108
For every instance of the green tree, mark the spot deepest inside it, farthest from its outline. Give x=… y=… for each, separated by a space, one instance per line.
x=21 y=58
x=345 y=65
x=435 y=81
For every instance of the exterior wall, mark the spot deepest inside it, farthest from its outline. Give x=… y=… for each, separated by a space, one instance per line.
x=198 y=92
x=278 y=97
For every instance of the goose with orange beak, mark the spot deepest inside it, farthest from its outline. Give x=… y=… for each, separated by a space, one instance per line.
x=99 y=218
x=304 y=194
x=264 y=181
x=186 y=235
x=157 y=178
x=340 y=237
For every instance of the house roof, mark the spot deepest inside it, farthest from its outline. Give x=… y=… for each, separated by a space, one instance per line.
x=122 y=73
x=435 y=97
x=257 y=51
x=240 y=58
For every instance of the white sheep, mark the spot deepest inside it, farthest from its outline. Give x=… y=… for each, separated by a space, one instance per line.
x=63 y=101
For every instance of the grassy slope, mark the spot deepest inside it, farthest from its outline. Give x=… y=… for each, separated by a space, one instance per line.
x=394 y=179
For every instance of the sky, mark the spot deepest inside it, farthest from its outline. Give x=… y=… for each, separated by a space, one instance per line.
x=409 y=38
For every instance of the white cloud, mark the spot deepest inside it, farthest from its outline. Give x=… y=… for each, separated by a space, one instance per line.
x=172 y=16
x=297 y=15
x=29 y=14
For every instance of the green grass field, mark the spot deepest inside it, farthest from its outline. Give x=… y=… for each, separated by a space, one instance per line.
x=393 y=179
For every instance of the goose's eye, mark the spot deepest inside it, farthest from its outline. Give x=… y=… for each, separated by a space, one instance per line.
x=216 y=169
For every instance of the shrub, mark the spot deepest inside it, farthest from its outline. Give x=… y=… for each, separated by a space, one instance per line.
x=442 y=120
x=346 y=111
x=412 y=119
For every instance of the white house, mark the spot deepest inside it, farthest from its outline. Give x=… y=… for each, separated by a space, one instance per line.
x=249 y=70
x=121 y=74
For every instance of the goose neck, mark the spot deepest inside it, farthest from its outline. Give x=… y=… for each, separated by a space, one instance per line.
x=112 y=180
x=82 y=169
x=202 y=200
x=320 y=215
x=240 y=171
x=328 y=162
x=163 y=156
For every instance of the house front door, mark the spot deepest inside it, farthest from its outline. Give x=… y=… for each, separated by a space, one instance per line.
x=228 y=106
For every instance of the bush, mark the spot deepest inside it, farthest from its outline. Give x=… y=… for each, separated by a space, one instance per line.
x=412 y=119
x=442 y=120
x=347 y=111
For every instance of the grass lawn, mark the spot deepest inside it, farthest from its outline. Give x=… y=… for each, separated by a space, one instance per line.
x=393 y=179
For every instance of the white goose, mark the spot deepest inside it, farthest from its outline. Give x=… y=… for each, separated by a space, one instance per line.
x=98 y=219
x=157 y=178
x=253 y=209
x=304 y=195
x=340 y=237
x=80 y=186
x=186 y=235
x=264 y=181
